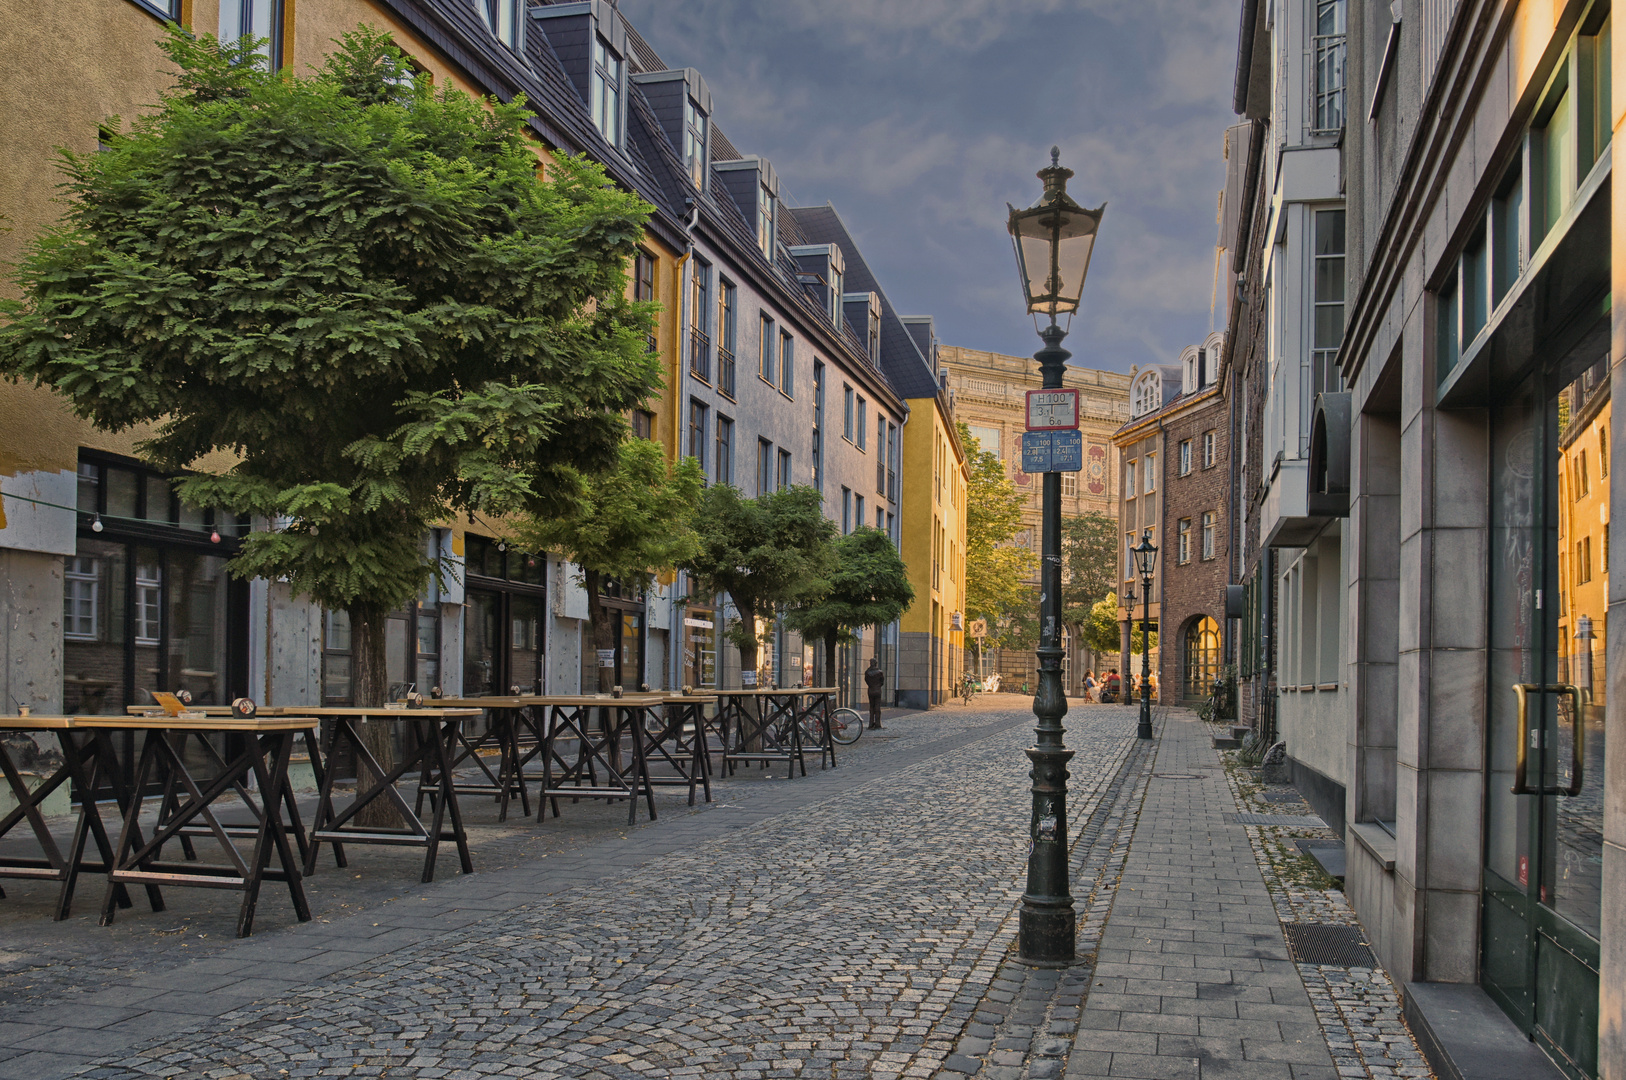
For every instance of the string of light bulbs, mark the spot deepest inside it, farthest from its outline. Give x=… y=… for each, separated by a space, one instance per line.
x=96 y=524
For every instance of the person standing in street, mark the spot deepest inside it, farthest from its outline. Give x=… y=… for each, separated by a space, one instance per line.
x=875 y=682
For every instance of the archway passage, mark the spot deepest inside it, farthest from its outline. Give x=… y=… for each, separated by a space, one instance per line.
x=1200 y=656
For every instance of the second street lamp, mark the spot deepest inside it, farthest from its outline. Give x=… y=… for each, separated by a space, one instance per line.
x=1054 y=239
x=1146 y=564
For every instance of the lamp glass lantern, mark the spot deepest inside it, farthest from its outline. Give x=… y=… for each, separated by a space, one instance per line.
x=1054 y=239
x=1145 y=555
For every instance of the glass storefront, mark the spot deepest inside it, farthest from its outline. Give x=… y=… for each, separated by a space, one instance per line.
x=147 y=603
x=503 y=627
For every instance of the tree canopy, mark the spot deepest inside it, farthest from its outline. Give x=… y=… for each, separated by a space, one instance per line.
x=360 y=288
x=1089 y=563
x=766 y=552
x=867 y=585
x=1101 y=634
x=627 y=524
x=998 y=571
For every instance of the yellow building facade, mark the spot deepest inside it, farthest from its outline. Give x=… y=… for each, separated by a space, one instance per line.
x=76 y=72
x=931 y=644
x=1583 y=535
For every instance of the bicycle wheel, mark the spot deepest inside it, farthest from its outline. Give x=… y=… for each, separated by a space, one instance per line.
x=846 y=726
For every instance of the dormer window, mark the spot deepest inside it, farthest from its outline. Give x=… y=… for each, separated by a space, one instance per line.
x=835 y=294
x=765 y=234
x=505 y=19
x=1147 y=396
x=694 y=142
x=604 y=96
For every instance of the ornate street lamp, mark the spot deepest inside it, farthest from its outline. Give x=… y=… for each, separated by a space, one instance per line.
x=1146 y=564
x=1126 y=693
x=1053 y=239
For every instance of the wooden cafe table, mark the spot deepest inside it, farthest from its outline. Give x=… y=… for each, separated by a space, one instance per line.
x=265 y=754
x=600 y=770
x=764 y=725
x=677 y=738
x=511 y=717
x=434 y=734
x=290 y=803
x=84 y=769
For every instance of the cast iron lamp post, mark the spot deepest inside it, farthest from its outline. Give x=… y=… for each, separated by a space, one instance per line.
x=1126 y=696
x=1146 y=563
x=1053 y=239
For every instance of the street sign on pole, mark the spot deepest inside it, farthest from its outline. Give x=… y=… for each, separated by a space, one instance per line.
x=1052 y=410
x=1052 y=451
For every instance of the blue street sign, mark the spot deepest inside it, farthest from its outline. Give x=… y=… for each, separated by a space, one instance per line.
x=1052 y=451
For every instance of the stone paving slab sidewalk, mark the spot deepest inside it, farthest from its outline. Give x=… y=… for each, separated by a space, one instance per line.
x=844 y=925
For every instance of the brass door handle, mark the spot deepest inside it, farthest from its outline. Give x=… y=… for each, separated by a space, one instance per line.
x=1521 y=784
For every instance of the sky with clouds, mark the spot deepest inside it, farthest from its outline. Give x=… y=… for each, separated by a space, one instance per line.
x=920 y=119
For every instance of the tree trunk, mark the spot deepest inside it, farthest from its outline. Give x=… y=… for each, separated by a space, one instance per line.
x=747 y=643
x=830 y=659
x=370 y=675
x=602 y=631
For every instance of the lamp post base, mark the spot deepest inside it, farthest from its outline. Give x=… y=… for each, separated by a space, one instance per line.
x=1144 y=731
x=1045 y=935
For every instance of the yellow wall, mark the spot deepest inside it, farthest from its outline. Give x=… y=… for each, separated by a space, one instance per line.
x=1583 y=517
x=933 y=532
x=71 y=67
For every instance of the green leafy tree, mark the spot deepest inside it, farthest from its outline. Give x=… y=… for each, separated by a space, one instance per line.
x=997 y=570
x=1101 y=634
x=626 y=524
x=767 y=552
x=868 y=585
x=358 y=287
x=1089 y=564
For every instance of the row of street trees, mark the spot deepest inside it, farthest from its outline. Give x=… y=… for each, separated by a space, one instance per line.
x=362 y=292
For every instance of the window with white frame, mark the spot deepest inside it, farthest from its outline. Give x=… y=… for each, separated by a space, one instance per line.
x=1328 y=331
x=1209 y=530
x=1069 y=484
x=765 y=236
x=1184 y=464
x=1150 y=473
x=605 y=96
x=1183 y=548
x=694 y=142
x=1208 y=449
x=254 y=18
x=1148 y=394
x=1130 y=487
x=1327 y=49
x=81 y=595
x=149 y=584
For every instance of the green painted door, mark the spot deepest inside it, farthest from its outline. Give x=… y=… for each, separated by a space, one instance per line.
x=1544 y=796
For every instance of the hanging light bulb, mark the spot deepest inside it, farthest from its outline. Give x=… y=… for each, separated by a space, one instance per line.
x=214 y=537
x=502 y=545
x=314 y=531
x=96 y=523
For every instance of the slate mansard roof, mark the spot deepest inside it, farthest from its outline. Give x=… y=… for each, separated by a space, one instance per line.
x=651 y=166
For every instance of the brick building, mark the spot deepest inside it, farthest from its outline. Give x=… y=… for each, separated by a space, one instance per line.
x=1175 y=482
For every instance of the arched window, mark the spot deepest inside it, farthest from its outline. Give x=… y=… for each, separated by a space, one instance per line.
x=1148 y=394
x=1202 y=656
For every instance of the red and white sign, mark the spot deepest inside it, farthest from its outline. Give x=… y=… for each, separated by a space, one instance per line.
x=1052 y=410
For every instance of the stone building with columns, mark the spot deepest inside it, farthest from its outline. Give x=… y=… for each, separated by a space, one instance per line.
x=990 y=393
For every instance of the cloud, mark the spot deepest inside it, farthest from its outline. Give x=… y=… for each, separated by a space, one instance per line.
x=920 y=119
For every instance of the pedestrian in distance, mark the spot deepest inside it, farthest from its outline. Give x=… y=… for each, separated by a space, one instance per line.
x=1089 y=686
x=874 y=681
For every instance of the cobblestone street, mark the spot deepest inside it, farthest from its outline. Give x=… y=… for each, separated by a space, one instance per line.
x=858 y=923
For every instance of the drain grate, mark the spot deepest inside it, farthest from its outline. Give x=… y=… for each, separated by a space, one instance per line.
x=1289 y=821
x=1335 y=946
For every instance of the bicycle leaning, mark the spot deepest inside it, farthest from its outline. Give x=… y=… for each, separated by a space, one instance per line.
x=968 y=687
x=845 y=727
